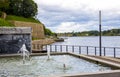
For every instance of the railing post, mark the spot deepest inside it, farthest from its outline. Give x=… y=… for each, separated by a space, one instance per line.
x=114 y=53
x=73 y=49
x=55 y=48
x=95 y=51
x=79 y=49
x=66 y=48
x=37 y=46
x=87 y=50
x=40 y=46
x=104 y=51
x=61 y=48
x=50 y=48
x=33 y=45
x=46 y=47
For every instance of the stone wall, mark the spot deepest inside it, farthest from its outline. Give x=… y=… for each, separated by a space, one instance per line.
x=38 y=31
x=12 y=39
x=38 y=44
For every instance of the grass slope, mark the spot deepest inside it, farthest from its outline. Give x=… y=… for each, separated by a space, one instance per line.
x=17 y=18
x=5 y=23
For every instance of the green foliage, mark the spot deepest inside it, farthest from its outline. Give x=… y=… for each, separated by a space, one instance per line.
x=48 y=32
x=4 y=5
x=25 y=8
x=0 y=13
x=17 y=18
x=89 y=33
x=112 y=32
x=5 y=23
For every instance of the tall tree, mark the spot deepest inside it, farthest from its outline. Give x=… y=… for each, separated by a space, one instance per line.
x=4 y=5
x=25 y=8
x=29 y=8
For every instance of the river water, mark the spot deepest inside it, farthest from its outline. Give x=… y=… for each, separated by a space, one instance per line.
x=79 y=45
x=107 y=41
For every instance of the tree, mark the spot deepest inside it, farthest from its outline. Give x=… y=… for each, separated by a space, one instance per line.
x=4 y=5
x=29 y=8
x=25 y=8
x=47 y=31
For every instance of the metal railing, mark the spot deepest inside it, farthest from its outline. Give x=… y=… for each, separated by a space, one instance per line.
x=87 y=50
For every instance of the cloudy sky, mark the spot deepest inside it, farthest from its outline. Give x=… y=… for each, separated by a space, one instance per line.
x=78 y=15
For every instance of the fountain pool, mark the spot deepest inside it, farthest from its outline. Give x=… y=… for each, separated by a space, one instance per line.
x=40 y=65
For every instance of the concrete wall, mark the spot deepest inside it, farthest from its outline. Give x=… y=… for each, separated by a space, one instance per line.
x=38 y=31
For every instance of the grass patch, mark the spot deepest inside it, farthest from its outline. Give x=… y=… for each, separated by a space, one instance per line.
x=5 y=23
x=35 y=38
x=17 y=18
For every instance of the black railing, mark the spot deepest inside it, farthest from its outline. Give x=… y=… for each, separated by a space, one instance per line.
x=87 y=50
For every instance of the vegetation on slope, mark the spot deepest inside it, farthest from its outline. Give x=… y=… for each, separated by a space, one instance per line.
x=18 y=18
x=20 y=10
x=5 y=23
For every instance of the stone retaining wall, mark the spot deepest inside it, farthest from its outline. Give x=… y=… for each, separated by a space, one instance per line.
x=38 y=44
x=38 y=31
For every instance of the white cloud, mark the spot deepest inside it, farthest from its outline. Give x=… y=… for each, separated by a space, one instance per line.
x=76 y=27
x=81 y=4
x=78 y=15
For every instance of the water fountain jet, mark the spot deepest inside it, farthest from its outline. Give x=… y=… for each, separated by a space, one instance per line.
x=24 y=53
x=48 y=55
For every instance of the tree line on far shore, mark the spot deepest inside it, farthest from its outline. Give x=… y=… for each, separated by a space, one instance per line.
x=112 y=32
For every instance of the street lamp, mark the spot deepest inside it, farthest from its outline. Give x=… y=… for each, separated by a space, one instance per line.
x=100 y=34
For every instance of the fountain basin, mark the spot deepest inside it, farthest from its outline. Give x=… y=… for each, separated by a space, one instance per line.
x=40 y=65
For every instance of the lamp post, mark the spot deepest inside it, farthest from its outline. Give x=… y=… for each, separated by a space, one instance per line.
x=100 y=34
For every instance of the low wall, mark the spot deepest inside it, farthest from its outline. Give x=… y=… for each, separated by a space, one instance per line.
x=115 y=73
x=38 y=30
x=43 y=41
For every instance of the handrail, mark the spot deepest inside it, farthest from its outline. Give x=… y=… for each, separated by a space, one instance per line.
x=88 y=50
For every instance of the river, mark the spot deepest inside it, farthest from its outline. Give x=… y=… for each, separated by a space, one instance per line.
x=107 y=41
x=89 y=45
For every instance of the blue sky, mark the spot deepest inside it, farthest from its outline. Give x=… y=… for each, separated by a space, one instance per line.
x=78 y=15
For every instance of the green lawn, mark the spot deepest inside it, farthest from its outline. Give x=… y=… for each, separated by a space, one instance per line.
x=16 y=18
